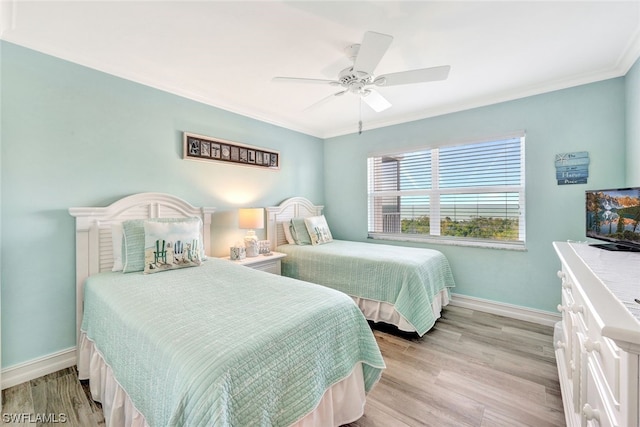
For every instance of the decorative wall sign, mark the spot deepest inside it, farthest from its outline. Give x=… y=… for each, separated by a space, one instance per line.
x=198 y=147
x=572 y=168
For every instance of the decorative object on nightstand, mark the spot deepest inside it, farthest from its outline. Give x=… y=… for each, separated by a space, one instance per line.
x=251 y=219
x=264 y=247
x=237 y=252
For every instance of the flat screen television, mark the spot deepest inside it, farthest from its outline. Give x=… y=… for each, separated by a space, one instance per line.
x=614 y=216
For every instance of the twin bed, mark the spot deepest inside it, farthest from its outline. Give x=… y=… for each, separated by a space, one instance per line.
x=222 y=344
x=402 y=286
x=214 y=344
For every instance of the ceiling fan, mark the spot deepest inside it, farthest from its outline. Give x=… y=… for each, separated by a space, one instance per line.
x=359 y=79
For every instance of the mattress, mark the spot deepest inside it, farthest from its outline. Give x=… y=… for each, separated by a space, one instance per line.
x=411 y=280
x=223 y=344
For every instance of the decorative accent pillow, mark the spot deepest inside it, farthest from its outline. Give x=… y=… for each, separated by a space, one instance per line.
x=287 y=233
x=116 y=242
x=133 y=240
x=171 y=245
x=318 y=230
x=299 y=232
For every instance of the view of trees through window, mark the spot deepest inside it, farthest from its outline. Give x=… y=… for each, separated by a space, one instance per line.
x=471 y=191
x=474 y=227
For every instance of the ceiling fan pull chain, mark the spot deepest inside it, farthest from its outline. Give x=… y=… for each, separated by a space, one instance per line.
x=360 y=121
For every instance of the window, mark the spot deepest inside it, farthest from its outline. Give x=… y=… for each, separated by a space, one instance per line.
x=471 y=194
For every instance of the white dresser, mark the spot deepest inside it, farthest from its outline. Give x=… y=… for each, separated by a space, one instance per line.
x=598 y=340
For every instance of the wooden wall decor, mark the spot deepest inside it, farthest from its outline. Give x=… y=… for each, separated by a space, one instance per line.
x=199 y=147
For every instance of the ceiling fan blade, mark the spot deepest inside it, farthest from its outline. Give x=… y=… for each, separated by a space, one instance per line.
x=303 y=80
x=375 y=100
x=325 y=100
x=413 y=76
x=372 y=49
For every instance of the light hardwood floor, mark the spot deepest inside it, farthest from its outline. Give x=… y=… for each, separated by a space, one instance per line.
x=471 y=369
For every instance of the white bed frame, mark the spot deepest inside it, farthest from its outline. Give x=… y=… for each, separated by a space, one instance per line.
x=295 y=207
x=94 y=250
x=342 y=403
x=300 y=207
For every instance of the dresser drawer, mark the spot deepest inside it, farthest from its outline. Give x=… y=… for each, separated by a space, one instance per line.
x=573 y=301
x=605 y=357
x=597 y=409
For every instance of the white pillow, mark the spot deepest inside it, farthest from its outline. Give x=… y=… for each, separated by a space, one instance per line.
x=116 y=241
x=171 y=245
x=318 y=230
x=133 y=239
x=287 y=233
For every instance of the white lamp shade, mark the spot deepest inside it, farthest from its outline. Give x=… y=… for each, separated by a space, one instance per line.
x=251 y=218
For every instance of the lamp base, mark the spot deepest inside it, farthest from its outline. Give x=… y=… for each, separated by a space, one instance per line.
x=251 y=244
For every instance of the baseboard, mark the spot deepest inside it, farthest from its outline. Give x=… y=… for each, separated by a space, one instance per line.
x=36 y=368
x=508 y=310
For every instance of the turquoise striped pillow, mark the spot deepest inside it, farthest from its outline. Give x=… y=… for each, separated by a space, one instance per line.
x=299 y=232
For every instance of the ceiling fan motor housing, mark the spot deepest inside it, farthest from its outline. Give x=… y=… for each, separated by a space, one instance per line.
x=354 y=81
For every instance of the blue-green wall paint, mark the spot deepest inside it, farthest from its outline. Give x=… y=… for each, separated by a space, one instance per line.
x=632 y=80
x=586 y=118
x=72 y=136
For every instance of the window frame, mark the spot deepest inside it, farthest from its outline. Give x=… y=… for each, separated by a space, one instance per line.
x=435 y=192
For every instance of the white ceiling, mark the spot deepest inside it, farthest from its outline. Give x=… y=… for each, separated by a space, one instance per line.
x=226 y=53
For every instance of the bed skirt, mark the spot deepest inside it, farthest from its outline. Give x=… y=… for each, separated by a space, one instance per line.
x=385 y=312
x=341 y=404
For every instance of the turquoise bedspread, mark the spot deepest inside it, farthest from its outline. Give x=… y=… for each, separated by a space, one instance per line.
x=408 y=278
x=225 y=345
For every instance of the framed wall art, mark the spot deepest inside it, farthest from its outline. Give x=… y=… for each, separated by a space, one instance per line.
x=199 y=147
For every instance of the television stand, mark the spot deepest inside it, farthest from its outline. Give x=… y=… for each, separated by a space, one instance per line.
x=597 y=343
x=615 y=247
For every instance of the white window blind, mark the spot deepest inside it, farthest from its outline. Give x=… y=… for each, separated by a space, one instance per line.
x=472 y=193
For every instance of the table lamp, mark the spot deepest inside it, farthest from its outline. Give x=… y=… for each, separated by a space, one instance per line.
x=251 y=219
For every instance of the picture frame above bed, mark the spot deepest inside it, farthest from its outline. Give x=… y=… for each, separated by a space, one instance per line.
x=205 y=148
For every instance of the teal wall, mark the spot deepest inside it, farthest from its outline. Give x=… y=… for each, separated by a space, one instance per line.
x=632 y=80
x=586 y=118
x=72 y=136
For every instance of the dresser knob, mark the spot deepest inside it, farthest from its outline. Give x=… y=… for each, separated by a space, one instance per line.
x=561 y=308
x=560 y=344
x=590 y=413
x=561 y=274
x=566 y=285
x=590 y=345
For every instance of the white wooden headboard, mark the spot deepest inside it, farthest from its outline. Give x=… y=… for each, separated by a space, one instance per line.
x=295 y=207
x=94 y=250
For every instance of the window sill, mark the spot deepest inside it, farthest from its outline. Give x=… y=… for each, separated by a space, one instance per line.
x=492 y=244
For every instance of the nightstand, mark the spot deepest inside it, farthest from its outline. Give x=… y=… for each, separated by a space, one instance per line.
x=269 y=263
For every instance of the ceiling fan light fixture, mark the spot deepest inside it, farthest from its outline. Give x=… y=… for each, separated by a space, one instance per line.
x=356 y=87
